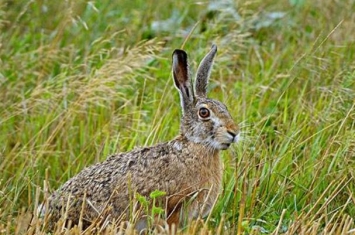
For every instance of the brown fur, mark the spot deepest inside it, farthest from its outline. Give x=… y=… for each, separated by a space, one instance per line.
x=187 y=168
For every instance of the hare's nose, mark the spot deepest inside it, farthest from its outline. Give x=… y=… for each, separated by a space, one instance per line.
x=232 y=133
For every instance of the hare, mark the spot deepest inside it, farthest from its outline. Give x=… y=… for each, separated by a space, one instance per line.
x=187 y=168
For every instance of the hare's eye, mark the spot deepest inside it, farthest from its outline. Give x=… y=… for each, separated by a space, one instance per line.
x=204 y=113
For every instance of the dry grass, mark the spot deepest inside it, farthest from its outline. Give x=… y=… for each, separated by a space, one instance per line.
x=80 y=80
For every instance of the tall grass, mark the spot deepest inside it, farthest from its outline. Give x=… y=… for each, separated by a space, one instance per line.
x=82 y=79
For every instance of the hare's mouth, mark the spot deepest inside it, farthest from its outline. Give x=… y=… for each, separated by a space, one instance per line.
x=225 y=146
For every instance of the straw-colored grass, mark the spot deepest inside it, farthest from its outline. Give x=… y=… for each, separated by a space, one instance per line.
x=82 y=79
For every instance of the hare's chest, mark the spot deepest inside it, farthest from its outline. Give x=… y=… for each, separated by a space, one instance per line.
x=207 y=189
x=211 y=171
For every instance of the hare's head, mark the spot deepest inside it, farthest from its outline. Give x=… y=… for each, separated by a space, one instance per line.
x=205 y=121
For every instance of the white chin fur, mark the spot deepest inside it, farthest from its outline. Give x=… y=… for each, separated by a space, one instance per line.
x=212 y=143
x=219 y=146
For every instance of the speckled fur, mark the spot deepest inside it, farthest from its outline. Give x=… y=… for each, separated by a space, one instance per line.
x=185 y=167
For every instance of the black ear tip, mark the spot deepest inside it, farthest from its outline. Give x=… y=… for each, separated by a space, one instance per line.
x=179 y=55
x=214 y=47
x=179 y=52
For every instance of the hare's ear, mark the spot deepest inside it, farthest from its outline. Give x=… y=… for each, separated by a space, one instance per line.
x=203 y=72
x=181 y=78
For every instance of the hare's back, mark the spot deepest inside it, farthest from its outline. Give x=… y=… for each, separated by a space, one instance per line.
x=142 y=170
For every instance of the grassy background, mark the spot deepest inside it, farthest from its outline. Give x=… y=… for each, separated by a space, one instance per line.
x=82 y=79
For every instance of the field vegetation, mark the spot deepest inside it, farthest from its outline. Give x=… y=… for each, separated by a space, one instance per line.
x=80 y=80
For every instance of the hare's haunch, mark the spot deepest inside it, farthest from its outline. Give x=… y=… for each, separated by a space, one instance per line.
x=186 y=168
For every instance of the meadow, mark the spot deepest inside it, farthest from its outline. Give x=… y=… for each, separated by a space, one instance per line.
x=80 y=80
